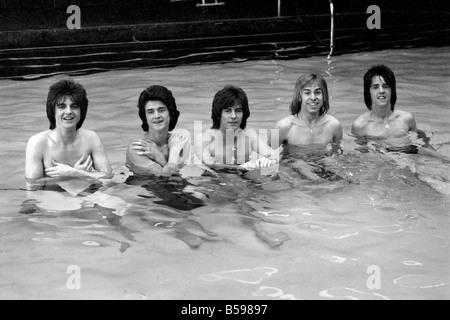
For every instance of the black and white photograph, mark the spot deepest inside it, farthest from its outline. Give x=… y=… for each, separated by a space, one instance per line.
x=225 y=155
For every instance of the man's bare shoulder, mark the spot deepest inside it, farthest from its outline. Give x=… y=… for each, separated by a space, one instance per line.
x=333 y=121
x=208 y=133
x=181 y=132
x=403 y=114
x=89 y=137
x=362 y=118
x=285 y=122
x=250 y=132
x=85 y=133
x=335 y=125
x=360 y=124
x=204 y=138
x=39 y=139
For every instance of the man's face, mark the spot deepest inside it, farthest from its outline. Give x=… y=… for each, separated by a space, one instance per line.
x=380 y=93
x=312 y=98
x=231 y=118
x=157 y=114
x=67 y=113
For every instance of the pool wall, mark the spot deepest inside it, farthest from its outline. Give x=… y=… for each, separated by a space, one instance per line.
x=212 y=37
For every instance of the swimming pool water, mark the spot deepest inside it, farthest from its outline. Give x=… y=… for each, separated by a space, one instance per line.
x=203 y=237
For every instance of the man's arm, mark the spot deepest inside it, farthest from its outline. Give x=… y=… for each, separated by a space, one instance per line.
x=283 y=126
x=338 y=132
x=202 y=144
x=143 y=165
x=34 y=167
x=427 y=149
x=96 y=160
x=150 y=150
x=358 y=127
x=262 y=148
x=100 y=160
x=411 y=122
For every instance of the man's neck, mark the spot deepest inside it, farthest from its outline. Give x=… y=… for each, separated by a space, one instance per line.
x=66 y=136
x=227 y=133
x=159 y=137
x=309 y=118
x=382 y=113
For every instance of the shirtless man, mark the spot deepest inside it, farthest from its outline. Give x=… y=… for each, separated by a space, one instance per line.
x=309 y=122
x=65 y=150
x=383 y=121
x=380 y=96
x=161 y=150
x=229 y=142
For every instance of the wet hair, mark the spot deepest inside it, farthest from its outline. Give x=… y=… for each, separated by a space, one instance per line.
x=162 y=94
x=62 y=90
x=304 y=81
x=226 y=98
x=389 y=78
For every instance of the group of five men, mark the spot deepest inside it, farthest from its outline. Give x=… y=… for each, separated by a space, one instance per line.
x=67 y=150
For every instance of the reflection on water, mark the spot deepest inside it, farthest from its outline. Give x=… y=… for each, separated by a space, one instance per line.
x=314 y=230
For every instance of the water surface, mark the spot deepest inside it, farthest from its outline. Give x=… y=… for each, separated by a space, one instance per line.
x=209 y=237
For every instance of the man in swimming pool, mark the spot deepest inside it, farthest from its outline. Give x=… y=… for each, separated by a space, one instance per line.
x=229 y=143
x=309 y=122
x=383 y=120
x=380 y=96
x=160 y=151
x=65 y=150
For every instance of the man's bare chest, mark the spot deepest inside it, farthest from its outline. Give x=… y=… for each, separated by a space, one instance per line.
x=68 y=155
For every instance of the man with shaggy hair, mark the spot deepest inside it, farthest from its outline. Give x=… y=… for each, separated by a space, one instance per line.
x=380 y=96
x=65 y=150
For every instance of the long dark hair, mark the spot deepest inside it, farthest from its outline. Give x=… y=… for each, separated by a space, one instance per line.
x=389 y=78
x=229 y=97
x=158 y=93
x=61 y=90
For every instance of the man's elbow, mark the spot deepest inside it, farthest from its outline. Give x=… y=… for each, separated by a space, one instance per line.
x=108 y=175
x=356 y=131
x=149 y=170
x=33 y=184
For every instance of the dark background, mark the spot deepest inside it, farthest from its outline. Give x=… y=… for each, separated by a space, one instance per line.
x=162 y=33
x=44 y=14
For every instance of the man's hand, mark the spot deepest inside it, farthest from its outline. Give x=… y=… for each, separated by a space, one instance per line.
x=177 y=142
x=60 y=170
x=148 y=149
x=84 y=166
x=264 y=162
